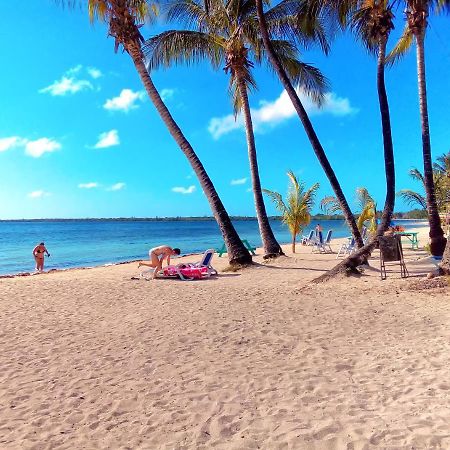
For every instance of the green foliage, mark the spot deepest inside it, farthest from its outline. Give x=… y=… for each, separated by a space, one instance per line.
x=296 y=210
x=441 y=178
x=366 y=203
x=368 y=208
x=226 y=33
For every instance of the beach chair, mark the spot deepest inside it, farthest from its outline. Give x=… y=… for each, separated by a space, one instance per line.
x=364 y=235
x=309 y=240
x=191 y=271
x=320 y=245
x=327 y=241
x=347 y=248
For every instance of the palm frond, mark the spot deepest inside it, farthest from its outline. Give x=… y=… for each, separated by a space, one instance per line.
x=416 y=175
x=330 y=205
x=277 y=199
x=402 y=46
x=296 y=21
x=368 y=213
x=190 y=14
x=233 y=90
x=363 y=198
x=412 y=198
x=176 y=47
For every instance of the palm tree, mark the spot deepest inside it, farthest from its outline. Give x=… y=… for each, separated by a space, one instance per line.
x=417 y=12
x=124 y=18
x=441 y=175
x=367 y=207
x=296 y=211
x=373 y=22
x=312 y=27
x=225 y=32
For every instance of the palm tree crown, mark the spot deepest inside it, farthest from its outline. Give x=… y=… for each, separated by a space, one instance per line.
x=296 y=211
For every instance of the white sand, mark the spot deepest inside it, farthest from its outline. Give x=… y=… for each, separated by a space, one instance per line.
x=91 y=359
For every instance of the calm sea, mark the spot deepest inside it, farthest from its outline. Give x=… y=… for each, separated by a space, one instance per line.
x=85 y=243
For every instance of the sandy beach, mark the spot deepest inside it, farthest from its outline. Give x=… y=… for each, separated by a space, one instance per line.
x=255 y=359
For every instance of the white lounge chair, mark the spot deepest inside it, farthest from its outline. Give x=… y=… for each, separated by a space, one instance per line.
x=310 y=239
x=323 y=245
x=347 y=248
x=327 y=241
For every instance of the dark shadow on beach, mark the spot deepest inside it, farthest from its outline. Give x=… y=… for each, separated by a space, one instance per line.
x=289 y=268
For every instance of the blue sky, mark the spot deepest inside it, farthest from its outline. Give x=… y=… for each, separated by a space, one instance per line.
x=78 y=137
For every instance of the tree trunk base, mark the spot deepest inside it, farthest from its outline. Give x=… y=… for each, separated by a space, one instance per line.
x=241 y=261
x=437 y=245
x=273 y=255
x=349 y=266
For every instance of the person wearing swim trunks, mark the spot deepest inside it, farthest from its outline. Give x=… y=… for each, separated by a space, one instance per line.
x=157 y=255
x=38 y=253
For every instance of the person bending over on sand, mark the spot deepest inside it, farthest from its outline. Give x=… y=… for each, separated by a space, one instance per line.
x=38 y=253
x=157 y=256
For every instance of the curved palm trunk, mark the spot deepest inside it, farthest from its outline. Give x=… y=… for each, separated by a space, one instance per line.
x=270 y=244
x=293 y=243
x=437 y=239
x=237 y=253
x=388 y=146
x=350 y=264
x=302 y=114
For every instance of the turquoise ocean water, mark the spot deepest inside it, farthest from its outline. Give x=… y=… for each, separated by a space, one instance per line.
x=85 y=243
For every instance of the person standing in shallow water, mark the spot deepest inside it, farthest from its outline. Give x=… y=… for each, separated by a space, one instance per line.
x=38 y=253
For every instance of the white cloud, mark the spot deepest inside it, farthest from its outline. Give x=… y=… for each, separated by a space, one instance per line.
x=34 y=148
x=40 y=146
x=270 y=114
x=183 y=190
x=117 y=187
x=74 y=70
x=11 y=142
x=238 y=181
x=167 y=94
x=108 y=139
x=126 y=101
x=38 y=194
x=94 y=73
x=66 y=85
x=72 y=82
x=91 y=185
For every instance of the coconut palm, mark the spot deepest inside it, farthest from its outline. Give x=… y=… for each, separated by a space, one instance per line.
x=372 y=20
x=124 y=19
x=417 y=13
x=441 y=176
x=311 y=26
x=225 y=33
x=296 y=211
x=367 y=207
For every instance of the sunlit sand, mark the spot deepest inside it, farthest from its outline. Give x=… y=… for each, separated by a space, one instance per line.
x=259 y=358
